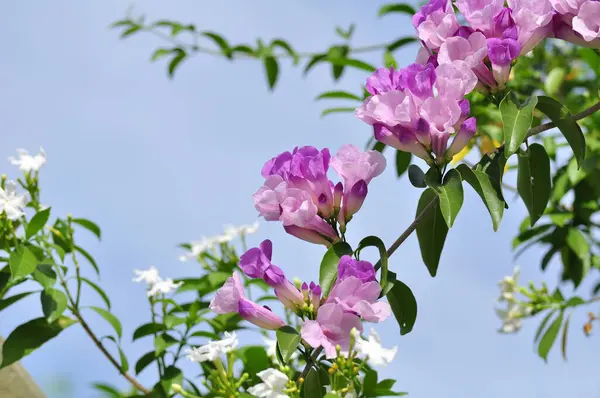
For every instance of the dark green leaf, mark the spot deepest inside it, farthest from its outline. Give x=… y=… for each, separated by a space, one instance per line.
x=272 y=70
x=398 y=7
x=287 y=340
x=451 y=196
x=4 y=303
x=404 y=306
x=30 y=336
x=563 y=345
x=98 y=290
x=431 y=230
x=244 y=50
x=312 y=385
x=400 y=43
x=37 y=223
x=549 y=337
x=313 y=61
x=533 y=180
x=88 y=257
x=159 y=53
x=336 y=110
x=54 y=303
x=374 y=241
x=402 y=162
x=416 y=176
x=144 y=361
x=379 y=147
x=386 y=384
x=562 y=118
x=542 y=326
x=370 y=383
x=579 y=244
x=575 y=301
x=110 y=318
x=45 y=275
x=108 y=389
x=516 y=121
x=131 y=30
x=338 y=95
x=355 y=63
x=329 y=265
x=171 y=376
x=255 y=360
x=220 y=42
x=176 y=61
x=89 y=225
x=22 y=262
x=148 y=329
x=482 y=184
x=287 y=48
x=529 y=234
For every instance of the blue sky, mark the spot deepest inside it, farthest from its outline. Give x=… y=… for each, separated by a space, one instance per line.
x=157 y=162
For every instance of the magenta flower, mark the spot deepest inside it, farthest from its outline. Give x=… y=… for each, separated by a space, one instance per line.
x=501 y=53
x=332 y=327
x=360 y=298
x=480 y=13
x=419 y=79
x=384 y=80
x=472 y=50
x=532 y=18
x=466 y=132
x=587 y=21
x=255 y=261
x=455 y=80
x=401 y=138
x=297 y=208
x=435 y=22
x=354 y=165
x=504 y=24
x=363 y=270
x=258 y=315
x=392 y=108
x=227 y=298
x=565 y=7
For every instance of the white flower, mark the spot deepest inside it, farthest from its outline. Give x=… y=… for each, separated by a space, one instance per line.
x=373 y=350
x=272 y=348
x=163 y=286
x=511 y=317
x=213 y=349
x=274 y=382
x=28 y=163
x=508 y=286
x=150 y=276
x=233 y=231
x=11 y=203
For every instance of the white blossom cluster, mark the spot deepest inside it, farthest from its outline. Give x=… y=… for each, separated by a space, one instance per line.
x=156 y=284
x=207 y=243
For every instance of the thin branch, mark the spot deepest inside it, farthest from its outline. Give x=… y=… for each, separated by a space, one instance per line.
x=309 y=364
x=578 y=116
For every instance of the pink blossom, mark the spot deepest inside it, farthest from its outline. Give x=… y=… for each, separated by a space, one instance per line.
x=567 y=6
x=436 y=27
x=268 y=198
x=353 y=165
x=297 y=208
x=258 y=315
x=532 y=18
x=360 y=298
x=455 y=80
x=587 y=21
x=480 y=13
x=391 y=108
x=442 y=114
x=401 y=138
x=464 y=135
x=472 y=50
x=332 y=327
x=227 y=298
x=384 y=80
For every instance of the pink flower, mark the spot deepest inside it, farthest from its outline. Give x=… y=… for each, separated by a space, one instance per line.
x=472 y=50
x=480 y=13
x=567 y=6
x=258 y=315
x=455 y=80
x=360 y=298
x=384 y=80
x=442 y=114
x=332 y=327
x=532 y=18
x=297 y=208
x=401 y=138
x=587 y=21
x=466 y=132
x=354 y=165
x=391 y=109
x=436 y=24
x=268 y=198
x=227 y=298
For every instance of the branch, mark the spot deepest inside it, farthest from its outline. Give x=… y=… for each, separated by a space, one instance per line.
x=311 y=361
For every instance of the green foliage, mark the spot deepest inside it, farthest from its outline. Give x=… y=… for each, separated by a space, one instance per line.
x=403 y=160
x=287 y=342
x=328 y=269
x=431 y=230
x=38 y=221
x=482 y=184
x=416 y=176
x=516 y=120
x=404 y=306
x=533 y=181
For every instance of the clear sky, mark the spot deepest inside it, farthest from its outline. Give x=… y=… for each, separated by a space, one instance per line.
x=158 y=162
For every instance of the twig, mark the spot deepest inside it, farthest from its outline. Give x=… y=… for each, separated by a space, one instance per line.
x=312 y=360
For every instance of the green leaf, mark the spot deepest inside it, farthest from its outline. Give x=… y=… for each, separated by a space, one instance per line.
x=22 y=262
x=516 y=121
x=314 y=61
x=159 y=53
x=550 y=145
x=124 y=361
x=402 y=162
x=144 y=361
x=287 y=48
x=404 y=306
x=312 y=385
x=88 y=257
x=374 y=241
x=416 y=176
x=162 y=342
x=7 y=302
x=401 y=42
x=179 y=56
x=287 y=340
x=107 y=389
x=547 y=340
x=172 y=375
x=336 y=110
x=338 y=95
x=579 y=244
x=148 y=329
x=329 y=265
x=482 y=184
x=554 y=81
x=37 y=223
x=533 y=180
x=89 y=225
x=244 y=50
x=389 y=61
x=131 y=30
x=562 y=118
x=45 y=275
x=451 y=196
x=110 y=318
x=398 y=7
x=370 y=383
x=220 y=42
x=386 y=384
x=255 y=360
x=542 y=326
x=29 y=336
x=355 y=63
x=98 y=290
x=272 y=70
x=563 y=345
x=431 y=230
x=54 y=303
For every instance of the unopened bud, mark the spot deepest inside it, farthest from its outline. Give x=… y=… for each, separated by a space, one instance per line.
x=587 y=328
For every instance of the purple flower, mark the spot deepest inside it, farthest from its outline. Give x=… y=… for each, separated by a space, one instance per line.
x=427 y=10
x=384 y=80
x=353 y=165
x=587 y=21
x=297 y=208
x=532 y=18
x=435 y=24
x=255 y=261
x=308 y=171
x=442 y=114
x=564 y=7
x=363 y=270
x=279 y=165
x=360 y=298
x=464 y=32
x=307 y=235
x=260 y=316
x=455 y=80
x=419 y=79
x=332 y=327
x=466 y=132
x=504 y=24
x=471 y=50
x=315 y=296
x=354 y=199
x=480 y=13
x=502 y=51
x=228 y=296
x=401 y=138
x=390 y=109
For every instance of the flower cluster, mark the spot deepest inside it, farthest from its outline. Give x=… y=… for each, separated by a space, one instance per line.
x=515 y=310
x=327 y=321
x=298 y=192
x=156 y=284
x=11 y=203
x=205 y=244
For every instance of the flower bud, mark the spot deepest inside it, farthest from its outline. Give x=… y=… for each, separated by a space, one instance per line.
x=306 y=234
x=422 y=132
x=354 y=199
x=305 y=290
x=338 y=191
x=259 y=316
x=315 y=297
x=466 y=132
